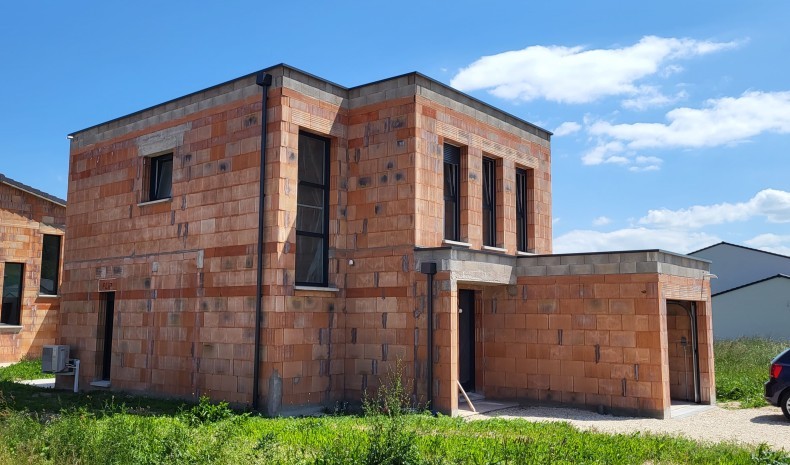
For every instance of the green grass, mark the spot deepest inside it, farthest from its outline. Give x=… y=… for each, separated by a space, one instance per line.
x=24 y=370
x=154 y=432
x=59 y=427
x=742 y=369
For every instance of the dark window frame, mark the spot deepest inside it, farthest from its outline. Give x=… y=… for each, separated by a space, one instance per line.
x=324 y=234
x=522 y=210
x=156 y=173
x=50 y=271
x=11 y=314
x=452 y=192
x=489 y=202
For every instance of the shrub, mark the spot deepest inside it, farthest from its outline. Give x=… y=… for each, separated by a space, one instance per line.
x=206 y=412
x=389 y=441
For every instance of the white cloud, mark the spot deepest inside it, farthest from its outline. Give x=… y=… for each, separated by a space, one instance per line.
x=601 y=221
x=602 y=153
x=577 y=75
x=651 y=98
x=632 y=239
x=771 y=243
x=772 y=204
x=722 y=121
x=566 y=128
x=643 y=163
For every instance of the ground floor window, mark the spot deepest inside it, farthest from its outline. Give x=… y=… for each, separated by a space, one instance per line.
x=13 y=277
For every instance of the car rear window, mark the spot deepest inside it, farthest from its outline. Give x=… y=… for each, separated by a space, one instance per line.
x=784 y=357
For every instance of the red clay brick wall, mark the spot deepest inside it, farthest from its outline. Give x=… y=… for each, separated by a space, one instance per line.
x=574 y=339
x=184 y=270
x=596 y=340
x=24 y=219
x=437 y=125
x=379 y=294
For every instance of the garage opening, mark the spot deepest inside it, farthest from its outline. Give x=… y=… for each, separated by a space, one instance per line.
x=683 y=348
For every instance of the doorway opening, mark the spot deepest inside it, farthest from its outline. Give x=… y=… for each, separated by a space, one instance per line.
x=104 y=336
x=466 y=339
x=683 y=348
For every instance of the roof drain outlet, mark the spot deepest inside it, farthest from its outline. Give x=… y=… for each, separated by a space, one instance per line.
x=264 y=80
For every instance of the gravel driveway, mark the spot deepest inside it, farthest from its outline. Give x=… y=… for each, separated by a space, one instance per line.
x=749 y=426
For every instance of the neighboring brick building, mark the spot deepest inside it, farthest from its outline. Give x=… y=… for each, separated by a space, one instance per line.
x=31 y=231
x=366 y=189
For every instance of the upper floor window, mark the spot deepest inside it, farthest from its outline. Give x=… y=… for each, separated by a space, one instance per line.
x=160 y=177
x=50 y=265
x=489 y=202
x=522 y=242
x=13 y=278
x=312 y=207
x=452 y=189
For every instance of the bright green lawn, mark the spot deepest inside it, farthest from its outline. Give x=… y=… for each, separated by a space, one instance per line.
x=56 y=427
x=53 y=427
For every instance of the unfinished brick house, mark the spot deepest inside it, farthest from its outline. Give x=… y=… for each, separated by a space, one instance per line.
x=32 y=225
x=386 y=206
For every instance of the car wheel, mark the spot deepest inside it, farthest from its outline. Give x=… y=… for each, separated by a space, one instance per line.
x=784 y=402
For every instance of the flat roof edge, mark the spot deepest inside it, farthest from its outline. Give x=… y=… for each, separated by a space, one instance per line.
x=458 y=95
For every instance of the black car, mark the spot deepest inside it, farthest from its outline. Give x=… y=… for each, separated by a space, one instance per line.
x=777 y=389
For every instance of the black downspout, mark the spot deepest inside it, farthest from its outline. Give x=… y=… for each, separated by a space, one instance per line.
x=264 y=80
x=429 y=268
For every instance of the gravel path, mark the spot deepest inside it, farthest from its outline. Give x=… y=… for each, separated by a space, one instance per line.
x=749 y=426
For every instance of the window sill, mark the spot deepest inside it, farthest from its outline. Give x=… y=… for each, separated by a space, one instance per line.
x=49 y=296
x=100 y=383
x=494 y=249
x=154 y=202
x=10 y=329
x=456 y=243
x=316 y=289
x=524 y=254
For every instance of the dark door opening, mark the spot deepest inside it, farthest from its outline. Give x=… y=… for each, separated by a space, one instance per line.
x=13 y=277
x=682 y=332
x=466 y=339
x=105 y=334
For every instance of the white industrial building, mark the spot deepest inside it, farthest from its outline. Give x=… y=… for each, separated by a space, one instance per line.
x=751 y=294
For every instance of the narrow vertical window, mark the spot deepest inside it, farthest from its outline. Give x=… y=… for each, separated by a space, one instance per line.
x=522 y=242
x=489 y=202
x=50 y=265
x=452 y=181
x=13 y=277
x=312 y=221
x=160 y=179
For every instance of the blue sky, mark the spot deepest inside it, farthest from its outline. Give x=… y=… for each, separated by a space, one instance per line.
x=671 y=119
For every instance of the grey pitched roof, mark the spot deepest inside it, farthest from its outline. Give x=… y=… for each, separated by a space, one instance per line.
x=780 y=275
x=740 y=247
x=31 y=190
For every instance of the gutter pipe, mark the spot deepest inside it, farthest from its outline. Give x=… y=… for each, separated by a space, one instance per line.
x=265 y=81
x=429 y=269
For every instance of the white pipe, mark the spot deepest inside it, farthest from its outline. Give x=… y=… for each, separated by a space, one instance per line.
x=76 y=375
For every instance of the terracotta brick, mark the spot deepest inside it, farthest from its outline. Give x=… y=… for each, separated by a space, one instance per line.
x=186 y=273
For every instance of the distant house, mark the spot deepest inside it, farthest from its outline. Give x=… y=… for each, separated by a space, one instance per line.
x=32 y=224
x=751 y=295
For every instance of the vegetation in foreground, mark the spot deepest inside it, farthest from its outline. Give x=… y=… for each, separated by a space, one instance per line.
x=55 y=427
x=742 y=369
x=26 y=369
